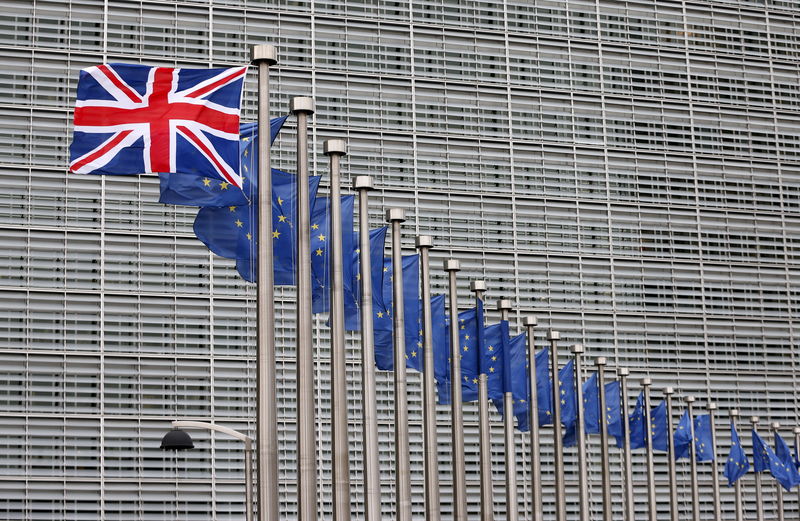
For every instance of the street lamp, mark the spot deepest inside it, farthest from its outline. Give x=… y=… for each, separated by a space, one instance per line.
x=178 y=439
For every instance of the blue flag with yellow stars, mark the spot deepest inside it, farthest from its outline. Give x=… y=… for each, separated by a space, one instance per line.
x=440 y=339
x=569 y=397
x=231 y=231
x=591 y=406
x=544 y=387
x=352 y=302
x=683 y=436
x=516 y=354
x=320 y=253
x=636 y=424
x=492 y=359
x=544 y=394
x=191 y=190
x=765 y=459
x=614 y=411
x=659 y=427
x=736 y=465
x=384 y=308
x=784 y=455
x=703 y=443
x=468 y=351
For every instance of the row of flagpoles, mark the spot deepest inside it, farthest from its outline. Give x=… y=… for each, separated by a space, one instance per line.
x=461 y=358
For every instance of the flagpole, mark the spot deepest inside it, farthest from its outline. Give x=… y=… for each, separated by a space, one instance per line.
x=372 y=477
x=600 y=363
x=693 y=462
x=503 y=306
x=335 y=149
x=714 y=475
x=627 y=462
x=673 y=479
x=395 y=216
x=302 y=108
x=734 y=413
x=452 y=266
x=778 y=489
x=265 y=56
x=533 y=422
x=651 y=478
x=485 y=465
x=583 y=479
x=796 y=448
x=424 y=244
x=757 y=476
x=558 y=443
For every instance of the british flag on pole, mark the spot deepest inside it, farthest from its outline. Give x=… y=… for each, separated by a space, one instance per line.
x=136 y=119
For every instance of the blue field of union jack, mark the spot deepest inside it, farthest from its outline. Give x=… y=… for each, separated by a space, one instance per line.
x=136 y=119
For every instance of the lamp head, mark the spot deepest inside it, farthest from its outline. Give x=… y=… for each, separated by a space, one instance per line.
x=176 y=439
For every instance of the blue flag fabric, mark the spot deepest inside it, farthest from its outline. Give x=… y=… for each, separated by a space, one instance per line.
x=683 y=436
x=737 y=464
x=765 y=459
x=784 y=455
x=591 y=410
x=493 y=359
x=614 y=409
x=659 y=427
x=468 y=351
x=544 y=392
x=636 y=424
x=569 y=397
x=352 y=303
x=517 y=355
x=191 y=190
x=440 y=338
x=320 y=253
x=383 y=322
x=703 y=442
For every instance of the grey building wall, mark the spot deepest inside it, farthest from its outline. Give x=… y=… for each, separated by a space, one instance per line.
x=627 y=171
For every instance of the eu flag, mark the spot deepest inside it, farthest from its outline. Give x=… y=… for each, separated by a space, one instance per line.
x=566 y=381
x=784 y=455
x=659 y=427
x=703 y=443
x=440 y=338
x=569 y=397
x=320 y=252
x=683 y=436
x=736 y=465
x=468 y=351
x=382 y=319
x=352 y=302
x=192 y=190
x=492 y=360
x=765 y=459
x=591 y=410
x=637 y=425
x=544 y=387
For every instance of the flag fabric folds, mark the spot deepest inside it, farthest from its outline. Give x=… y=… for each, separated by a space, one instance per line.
x=544 y=388
x=191 y=190
x=320 y=252
x=591 y=410
x=352 y=303
x=382 y=315
x=135 y=119
x=636 y=424
x=493 y=361
x=659 y=427
x=765 y=459
x=736 y=465
x=784 y=455
x=468 y=351
x=703 y=442
x=683 y=436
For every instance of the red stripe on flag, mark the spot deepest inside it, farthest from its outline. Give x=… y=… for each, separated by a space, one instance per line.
x=111 y=143
x=218 y=83
x=208 y=153
x=132 y=94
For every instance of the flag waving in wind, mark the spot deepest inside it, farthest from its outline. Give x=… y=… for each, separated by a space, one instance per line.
x=737 y=465
x=136 y=119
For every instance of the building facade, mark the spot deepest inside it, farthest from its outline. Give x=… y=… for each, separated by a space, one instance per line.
x=627 y=171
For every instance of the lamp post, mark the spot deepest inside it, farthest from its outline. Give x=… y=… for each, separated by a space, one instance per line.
x=177 y=439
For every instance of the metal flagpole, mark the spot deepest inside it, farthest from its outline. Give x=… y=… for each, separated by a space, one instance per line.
x=601 y=362
x=651 y=478
x=757 y=476
x=504 y=306
x=306 y=444
x=335 y=149
x=627 y=462
x=451 y=266
x=395 y=216
x=583 y=478
x=487 y=494
x=533 y=423
x=558 y=443
x=673 y=479
x=797 y=446
x=424 y=244
x=778 y=489
x=734 y=413
x=372 y=477
x=267 y=413
x=693 y=463
x=714 y=474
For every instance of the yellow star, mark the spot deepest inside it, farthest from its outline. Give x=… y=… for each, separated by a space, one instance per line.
x=231 y=208
x=358 y=276
x=245 y=152
x=466 y=337
x=319 y=252
x=490 y=348
x=380 y=314
x=474 y=380
x=224 y=185
x=245 y=139
x=385 y=269
x=321 y=237
x=276 y=234
x=249 y=237
x=206 y=181
x=494 y=359
x=315 y=226
x=413 y=353
x=466 y=348
x=281 y=218
x=280 y=201
x=238 y=223
x=491 y=369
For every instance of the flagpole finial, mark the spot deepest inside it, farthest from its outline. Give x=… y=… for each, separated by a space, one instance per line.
x=266 y=53
x=477 y=285
x=577 y=349
x=776 y=426
x=553 y=335
x=452 y=265
x=669 y=391
x=302 y=104
x=334 y=146
x=754 y=420
x=395 y=215
x=423 y=241
x=711 y=406
x=503 y=304
x=797 y=430
x=600 y=361
x=623 y=371
x=734 y=413
x=690 y=399
x=646 y=381
x=530 y=322
x=363 y=182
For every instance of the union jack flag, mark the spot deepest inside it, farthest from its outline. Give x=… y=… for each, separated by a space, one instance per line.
x=135 y=119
